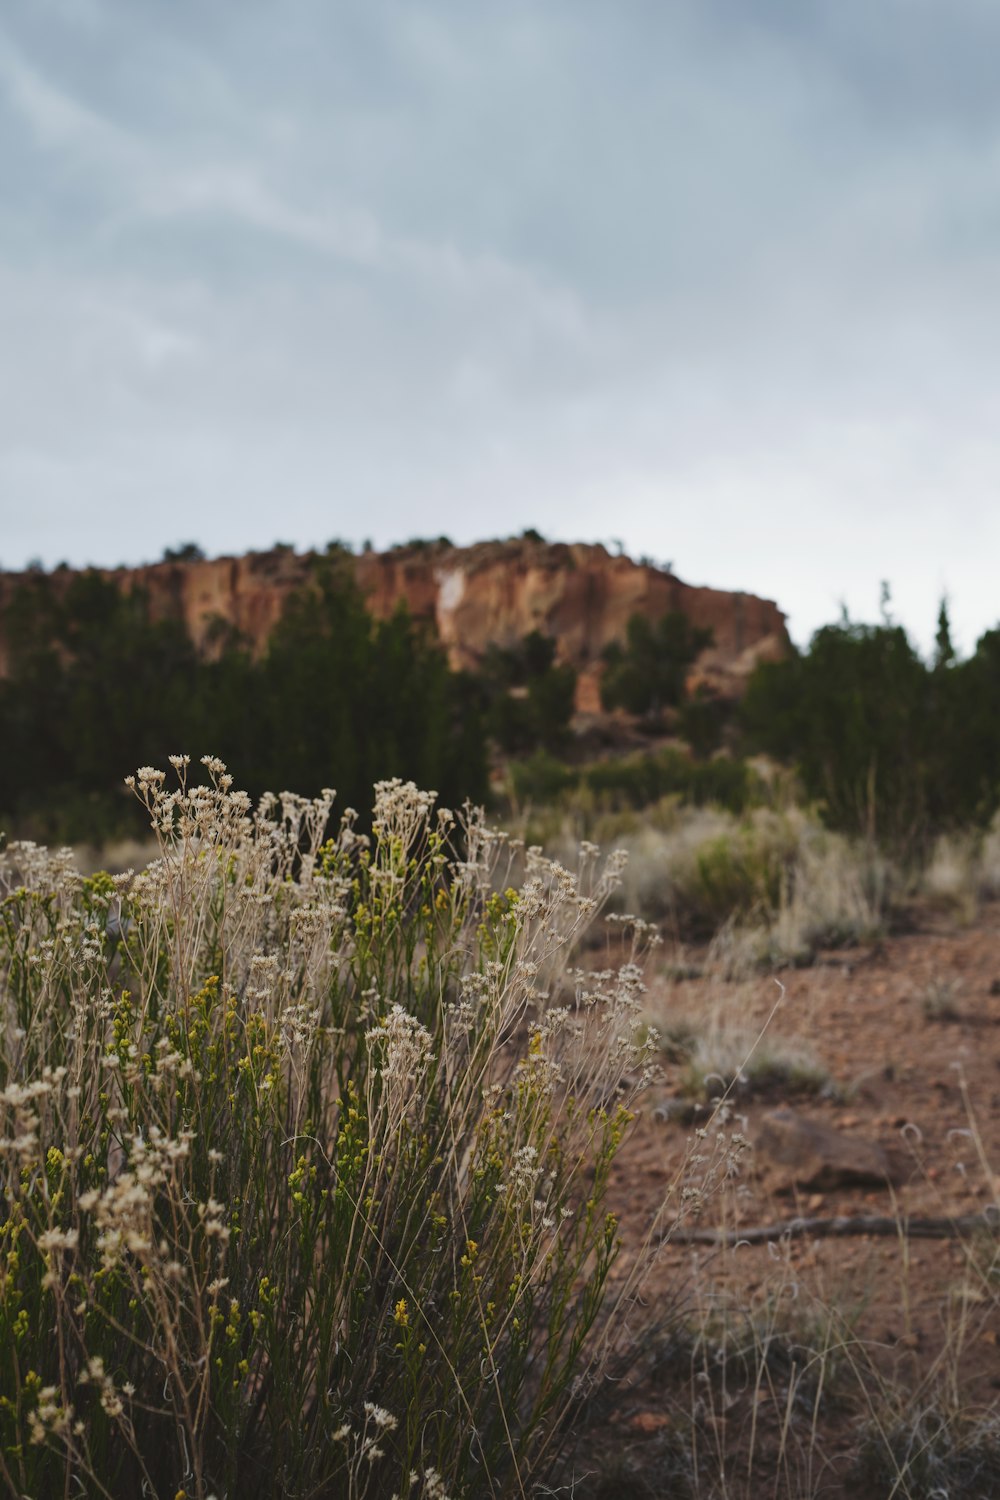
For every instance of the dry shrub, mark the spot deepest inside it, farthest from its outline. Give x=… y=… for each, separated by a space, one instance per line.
x=962 y=871
x=768 y=890
x=303 y=1177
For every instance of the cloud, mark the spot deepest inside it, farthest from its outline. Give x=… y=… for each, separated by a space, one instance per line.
x=720 y=280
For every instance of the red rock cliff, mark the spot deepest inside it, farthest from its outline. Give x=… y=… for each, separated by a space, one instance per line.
x=493 y=592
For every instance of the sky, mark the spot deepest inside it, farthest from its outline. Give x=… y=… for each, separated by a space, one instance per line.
x=714 y=280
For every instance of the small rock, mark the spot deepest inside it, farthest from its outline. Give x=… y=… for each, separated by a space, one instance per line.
x=814 y=1156
x=649 y=1421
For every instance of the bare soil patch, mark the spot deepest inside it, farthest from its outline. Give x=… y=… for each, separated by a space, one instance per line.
x=779 y=1367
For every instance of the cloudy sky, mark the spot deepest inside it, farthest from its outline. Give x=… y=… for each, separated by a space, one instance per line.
x=719 y=279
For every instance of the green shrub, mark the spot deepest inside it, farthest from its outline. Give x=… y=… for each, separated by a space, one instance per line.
x=638 y=781
x=702 y=721
x=737 y=873
x=303 y=1188
x=769 y=888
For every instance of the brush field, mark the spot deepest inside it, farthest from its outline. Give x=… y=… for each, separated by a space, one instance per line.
x=421 y=1163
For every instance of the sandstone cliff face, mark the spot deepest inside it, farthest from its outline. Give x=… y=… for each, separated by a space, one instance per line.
x=580 y=594
x=494 y=592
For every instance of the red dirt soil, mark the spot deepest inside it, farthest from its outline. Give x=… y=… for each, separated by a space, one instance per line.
x=909 y=1031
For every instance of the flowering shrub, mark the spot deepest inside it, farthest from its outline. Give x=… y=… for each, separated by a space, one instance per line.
x=302 y=1169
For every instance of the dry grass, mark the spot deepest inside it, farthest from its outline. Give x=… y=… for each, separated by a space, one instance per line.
x=962 y=872
x=769 y=889
x=719 y=1053
x=769 y=1382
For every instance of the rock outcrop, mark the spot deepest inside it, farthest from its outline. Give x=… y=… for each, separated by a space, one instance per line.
x=493 y=592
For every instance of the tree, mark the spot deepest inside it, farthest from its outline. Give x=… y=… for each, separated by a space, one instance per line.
x=186 y=552
x=347 y=700
x=944 y=651
x=849 y=713
x=527 y=697
x=96 y=687
x=892 y=748
x=648 y=674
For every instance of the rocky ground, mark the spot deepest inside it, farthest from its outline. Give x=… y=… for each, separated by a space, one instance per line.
x=813 y=1364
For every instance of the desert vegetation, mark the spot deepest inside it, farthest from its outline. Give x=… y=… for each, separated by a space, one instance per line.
x=94 y=685
x=305 y=1185
x=889 y=745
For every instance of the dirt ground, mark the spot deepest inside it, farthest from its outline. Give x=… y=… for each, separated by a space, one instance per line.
x=775 y=1368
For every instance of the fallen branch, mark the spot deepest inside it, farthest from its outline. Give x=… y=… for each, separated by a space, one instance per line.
x=927 y=1228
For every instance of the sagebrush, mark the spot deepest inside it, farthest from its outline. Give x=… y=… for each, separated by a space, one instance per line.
x=304 y=1168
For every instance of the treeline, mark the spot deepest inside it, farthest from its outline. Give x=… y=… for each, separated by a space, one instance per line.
x=889 y=745
x=97 y=687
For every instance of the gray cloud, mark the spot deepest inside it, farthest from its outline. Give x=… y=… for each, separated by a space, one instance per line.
x=720 y=280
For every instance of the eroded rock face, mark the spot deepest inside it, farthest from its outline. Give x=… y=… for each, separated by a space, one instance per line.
x=493 y=592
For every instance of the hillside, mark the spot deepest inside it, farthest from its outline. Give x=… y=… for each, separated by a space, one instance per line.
x=491 y=593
